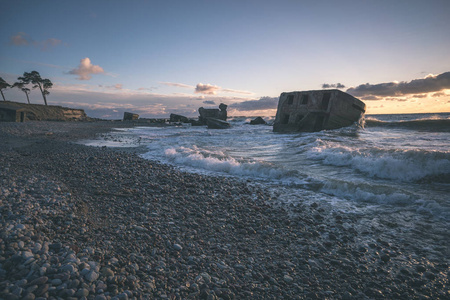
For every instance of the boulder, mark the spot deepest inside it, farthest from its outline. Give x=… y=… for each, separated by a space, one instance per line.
x=258 y=121
x=178 y=118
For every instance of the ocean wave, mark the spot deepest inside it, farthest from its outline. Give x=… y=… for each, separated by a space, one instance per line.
x=432 y=123
x=401 y=165
x=217 y=161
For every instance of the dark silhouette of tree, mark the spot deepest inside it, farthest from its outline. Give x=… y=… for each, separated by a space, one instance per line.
x=35 y=78
x=21 y=85
x=3 y=85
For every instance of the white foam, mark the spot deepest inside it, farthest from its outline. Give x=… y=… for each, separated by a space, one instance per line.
x=402 y=165
x=217 y=161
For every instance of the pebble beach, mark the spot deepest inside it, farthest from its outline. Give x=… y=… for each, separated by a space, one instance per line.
x=81 y=222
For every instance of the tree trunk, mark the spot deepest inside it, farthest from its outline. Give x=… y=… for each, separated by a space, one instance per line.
x=43 y=95
x=28 y=98
x=3 y=96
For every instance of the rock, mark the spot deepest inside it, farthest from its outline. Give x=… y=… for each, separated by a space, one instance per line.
x=27 y=254
x=82 y=292
x=91 y=276
x=288 y=278
x=258 y=121
x=39 y=280
x=56 y=282
x=177 y=247
x=107 y=272
x=174 y=118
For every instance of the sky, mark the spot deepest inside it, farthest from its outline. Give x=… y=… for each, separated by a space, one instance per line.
x=160 y=57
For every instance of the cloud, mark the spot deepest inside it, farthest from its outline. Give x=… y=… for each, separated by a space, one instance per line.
x=431 y=83
x=208 y=89
x=262 y=104
x=51 y=42
x=117 y=86
x=20 y=39
x=23 y=39
x=85 y=69
x=182 y=85
x=333 y=85
x=439 y=94
x=236 y=91
x=209 y=102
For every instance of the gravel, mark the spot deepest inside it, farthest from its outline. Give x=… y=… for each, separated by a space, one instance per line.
x=81 y=222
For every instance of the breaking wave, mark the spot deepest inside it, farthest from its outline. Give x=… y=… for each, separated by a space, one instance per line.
x=401 y=165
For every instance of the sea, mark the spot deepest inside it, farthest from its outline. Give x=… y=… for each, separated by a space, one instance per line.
x=385 y=163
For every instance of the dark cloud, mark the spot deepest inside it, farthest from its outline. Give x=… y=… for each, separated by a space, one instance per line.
x=261 y=104
x=333 y=85
x=431 y=83
x=209 y=102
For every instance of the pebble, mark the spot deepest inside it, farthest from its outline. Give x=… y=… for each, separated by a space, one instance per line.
x=177 y=247
x=151 y=231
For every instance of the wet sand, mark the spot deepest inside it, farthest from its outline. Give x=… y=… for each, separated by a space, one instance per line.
x=102 y=223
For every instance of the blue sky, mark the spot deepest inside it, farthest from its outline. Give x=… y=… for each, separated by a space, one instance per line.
x=158 y=57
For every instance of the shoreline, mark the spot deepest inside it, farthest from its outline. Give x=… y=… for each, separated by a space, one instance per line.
x=100 y=223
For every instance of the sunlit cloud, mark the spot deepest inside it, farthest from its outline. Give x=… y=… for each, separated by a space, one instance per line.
x=182 y=85
x=439 y=94
x=86 y=69
x=207 y=89
x=236 y=91
x=117 y=86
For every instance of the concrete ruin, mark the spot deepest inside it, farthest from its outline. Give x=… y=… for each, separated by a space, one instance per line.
x=127 y=116
x=317 y=110
x=12 y=113
x=21 y=112
x=214 y=113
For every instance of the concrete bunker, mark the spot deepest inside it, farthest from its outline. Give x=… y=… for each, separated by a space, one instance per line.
x=317 y=110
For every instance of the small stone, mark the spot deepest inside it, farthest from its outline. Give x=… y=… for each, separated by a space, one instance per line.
x=20 y=226
x=177 y=247
x=82 y=292
x=91 y=276
x=39 y=281
x=385 y=258
x=420 y=269
x=29 y=296
x=107 y=272
x=288 y=278
x=68 y=268
x=56 y=282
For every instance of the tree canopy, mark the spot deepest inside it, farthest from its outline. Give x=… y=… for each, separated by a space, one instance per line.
x=3 y=85
x=35 y=78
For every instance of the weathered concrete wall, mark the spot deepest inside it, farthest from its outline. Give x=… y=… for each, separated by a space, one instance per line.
x=316 y=110
x=38 y=112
